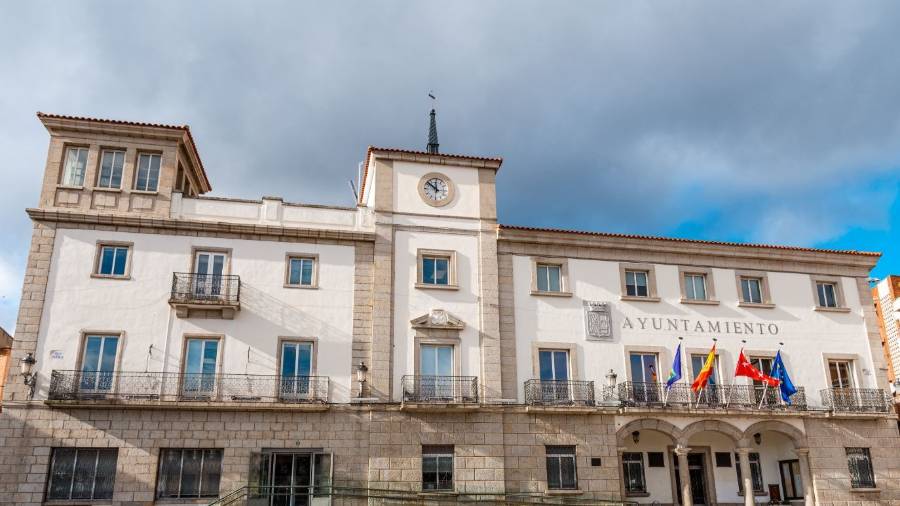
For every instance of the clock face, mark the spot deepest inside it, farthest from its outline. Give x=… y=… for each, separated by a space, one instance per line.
x=436 y=189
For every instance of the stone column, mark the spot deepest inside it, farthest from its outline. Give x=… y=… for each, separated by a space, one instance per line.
x=621 y=473
x=809 y=495
x=684 y=475
x=746 y=475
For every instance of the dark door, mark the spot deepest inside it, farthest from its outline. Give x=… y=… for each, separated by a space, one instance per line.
x=290 y=479
x=697 y=475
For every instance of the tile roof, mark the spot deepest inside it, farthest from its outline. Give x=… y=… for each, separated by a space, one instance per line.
x=362 y=189
x=185 y=128
x=688 y=241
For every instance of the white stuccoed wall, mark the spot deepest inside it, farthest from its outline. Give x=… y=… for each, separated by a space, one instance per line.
x=139 y=307
x=807 y=334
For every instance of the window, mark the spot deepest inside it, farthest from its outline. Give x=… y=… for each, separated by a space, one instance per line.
x=82 y=474
x=827 y=294
x=860 y=463
x=437 y=467
x=147 y=172
x=301 y=271
x=76 y=162
x=656 y=459
x=633 y=472
x=751 y=290
x=755 y=473
x=791 y=481
x=209 y=268
x=200 y=364
x=98 y=363
x=561 y=472
x=645 y=381
x=548 y=278
x=840 y=372
x=695 y=286
x=112 y=260
x=189 y=473
x=636 y=284
x=435 y=368
x=296 y=368
x=435 y=270
x=723 y=459
x=553 y=366
x=111 y=166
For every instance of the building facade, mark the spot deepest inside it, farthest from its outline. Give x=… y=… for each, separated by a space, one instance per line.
x=886 y=295
x=178 y=348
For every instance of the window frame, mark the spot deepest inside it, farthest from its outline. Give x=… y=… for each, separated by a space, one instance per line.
x=755 y=471
x=560 y=452
x=765 y=294
x=181 y=496
x=840 y=303
x=137 y=172
x=453 y=342
x=538 y=346
x=562 y=264
x=314 y=281
x=867 y=458
x=649 y=270
x=65 y=165
x=851 y=371
x=450 y=256
x=438 y=452
x=98 y=259
x=640 y=467
x=82 y=345
x=184 y=365
x=709 y=285
x=53 y=462
x=103 y=152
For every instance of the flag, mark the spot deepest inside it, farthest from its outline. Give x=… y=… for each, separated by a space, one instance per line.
x=704 y=374
x=675 y=373
x=787 y=386
x=746 y=369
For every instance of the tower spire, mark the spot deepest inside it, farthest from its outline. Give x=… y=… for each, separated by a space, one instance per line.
x=432 y=131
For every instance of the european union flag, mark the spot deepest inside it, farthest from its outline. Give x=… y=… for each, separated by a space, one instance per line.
x=787 y=386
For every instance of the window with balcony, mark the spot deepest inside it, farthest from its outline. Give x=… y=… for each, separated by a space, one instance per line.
x=859 y=461
x=98 y=363
x=755 y=474
x=301 y=271
x=188 y=473
x=561 y=468
x=437 y=468
x=112 y=260
x=296 y=369
x=840 y=373
x=644 y=378
x=75 y=166
x=112 y=163
x=633 y=472
x=147 y=173
x=200 y=366
x=82 y=474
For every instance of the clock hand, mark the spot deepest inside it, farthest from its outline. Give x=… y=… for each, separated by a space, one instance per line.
x=433 y=186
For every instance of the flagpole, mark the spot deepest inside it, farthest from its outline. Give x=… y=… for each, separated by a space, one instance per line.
x=678 y=356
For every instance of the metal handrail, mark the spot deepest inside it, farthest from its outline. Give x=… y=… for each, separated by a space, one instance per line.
x=559 y=392
x=856 y=400
x=442 y=389
x=159 y=386
x=649 y=394
x=212 y=289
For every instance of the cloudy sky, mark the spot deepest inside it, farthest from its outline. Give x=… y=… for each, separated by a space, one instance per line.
x=756 y=121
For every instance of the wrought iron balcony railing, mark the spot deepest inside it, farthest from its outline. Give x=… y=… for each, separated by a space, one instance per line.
x=440 y=389
x=176 y=387
x=713 y=396
x=206 y=289
x=856 y=400
x=559 y=392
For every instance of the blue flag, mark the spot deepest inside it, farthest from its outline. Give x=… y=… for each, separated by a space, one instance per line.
x=675 y=373
x=779 y=372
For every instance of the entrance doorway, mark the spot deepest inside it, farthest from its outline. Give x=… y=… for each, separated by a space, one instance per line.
x=289 y=478
x=697 y=474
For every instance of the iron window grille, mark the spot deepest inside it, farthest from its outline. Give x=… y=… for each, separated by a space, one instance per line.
x=82 y=474
x=755 y=473
x=633 y=472
x=437 y=467
x=561 y=468
x=859 y=461
x=185 y=473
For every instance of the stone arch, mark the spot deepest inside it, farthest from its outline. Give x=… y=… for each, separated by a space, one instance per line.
x=793 y=433
x=719 y=426
x=648 y=424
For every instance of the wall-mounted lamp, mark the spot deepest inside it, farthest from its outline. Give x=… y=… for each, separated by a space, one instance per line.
x=27 y=368
x=758 y=438
x=361 y=372
x=611 y=378
x=636 y=437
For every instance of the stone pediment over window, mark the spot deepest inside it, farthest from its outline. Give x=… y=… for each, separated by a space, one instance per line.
x=437 y=319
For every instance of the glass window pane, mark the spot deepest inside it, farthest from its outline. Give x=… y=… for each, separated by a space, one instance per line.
x=118 y=166
x=650 y=375
x=307 y=271
x=553 y=473
x=545 y=360
x=637 y=368
x=106 y=474
x=169 y=473
x=153 y=177
x=553 y=274
x=121 y=258
x=85 y=468
x=211 y=473
x=289 y=359
x=561 y=365
x=322 y=474
x=190 y=473
x=630 y=287
x=445 y=361
x=91 y=360
x=107 y=255
x=105 y=169
x=428 y=366
x=543 y=283
x=193 y=360
x=61 y=473
x=441 y=271
x=428 y=270
x=209 y=357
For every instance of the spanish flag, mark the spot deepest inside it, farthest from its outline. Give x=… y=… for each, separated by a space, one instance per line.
x=704 y=374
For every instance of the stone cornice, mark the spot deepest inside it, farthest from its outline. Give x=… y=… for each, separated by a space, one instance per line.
x=683 y=252
x=165 y=224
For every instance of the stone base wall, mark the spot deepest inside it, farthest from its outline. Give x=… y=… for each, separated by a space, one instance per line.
x=497 y=450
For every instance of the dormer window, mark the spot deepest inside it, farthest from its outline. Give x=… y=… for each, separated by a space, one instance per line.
x=147 y=176
x=76 y=163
